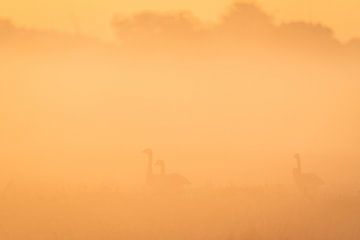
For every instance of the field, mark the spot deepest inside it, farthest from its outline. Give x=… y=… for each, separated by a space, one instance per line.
x=227 y=213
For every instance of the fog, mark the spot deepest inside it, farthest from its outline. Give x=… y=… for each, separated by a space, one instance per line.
x=226 y=104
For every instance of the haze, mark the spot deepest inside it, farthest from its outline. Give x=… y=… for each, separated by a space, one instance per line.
x=246 y=127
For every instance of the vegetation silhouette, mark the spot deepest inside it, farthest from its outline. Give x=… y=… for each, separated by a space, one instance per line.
x=242 y=25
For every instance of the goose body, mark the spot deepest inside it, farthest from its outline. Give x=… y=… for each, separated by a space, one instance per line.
x=308 y=183
x=163 y=182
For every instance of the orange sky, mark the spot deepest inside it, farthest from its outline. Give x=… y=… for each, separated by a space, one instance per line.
x=93 y=16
